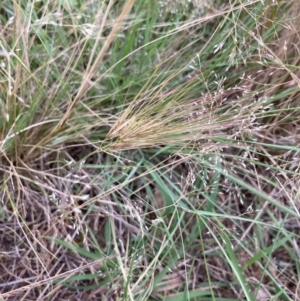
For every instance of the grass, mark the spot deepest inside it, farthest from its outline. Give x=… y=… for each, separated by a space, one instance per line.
x=149 y=150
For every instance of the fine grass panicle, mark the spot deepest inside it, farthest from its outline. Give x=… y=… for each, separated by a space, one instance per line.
x=149 y=150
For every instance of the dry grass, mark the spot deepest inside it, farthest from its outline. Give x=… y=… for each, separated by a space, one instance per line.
x=149 y=153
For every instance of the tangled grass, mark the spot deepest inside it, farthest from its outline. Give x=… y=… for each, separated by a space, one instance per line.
x=149 y=150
